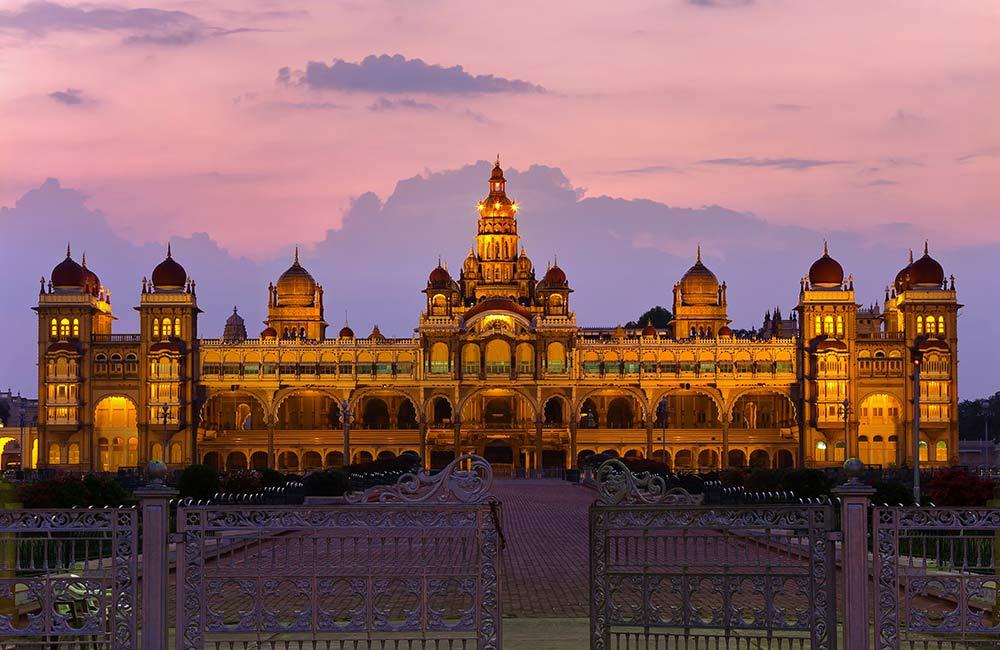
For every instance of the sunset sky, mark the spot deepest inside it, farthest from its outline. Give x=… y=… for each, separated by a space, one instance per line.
x=261 y=123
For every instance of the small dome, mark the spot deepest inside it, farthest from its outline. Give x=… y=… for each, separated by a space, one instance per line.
x=296 y=287
x=699 y=286
x=67 y=274
x=497 y=174
x=269 y=333
x=169 y=275
x=902 y=281
x=471 y=265
x=649 y=330
x=346 y=332
x=235 y=329
x=926 y=272
x=725 y=331
x=826 y=272
x=439 y=277
x=234 y=318
x=554 y=277
x=376 y=335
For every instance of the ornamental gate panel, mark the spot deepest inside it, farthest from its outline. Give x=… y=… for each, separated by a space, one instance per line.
x=415 y=565
x=667 y=573
x=68 y=579
x=937 y=580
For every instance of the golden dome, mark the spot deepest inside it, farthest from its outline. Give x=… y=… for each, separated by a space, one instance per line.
x=296 y=287
x=699 y=286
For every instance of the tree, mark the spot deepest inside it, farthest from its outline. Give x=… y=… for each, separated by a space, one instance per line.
x=659 y=316
x=977 y=417
x=4 y=412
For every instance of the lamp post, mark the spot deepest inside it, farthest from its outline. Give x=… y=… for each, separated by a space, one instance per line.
x=663 y=428
x=165 y=413
x=917 y=358
x=846 y=405
x=23 y=447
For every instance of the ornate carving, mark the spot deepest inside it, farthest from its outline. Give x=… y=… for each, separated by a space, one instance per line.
x=619 y=486
x=452 y=485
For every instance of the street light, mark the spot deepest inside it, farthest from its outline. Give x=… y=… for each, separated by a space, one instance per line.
x=663 y=429
x=165 y=411
x=846 y=404
x=917 y=358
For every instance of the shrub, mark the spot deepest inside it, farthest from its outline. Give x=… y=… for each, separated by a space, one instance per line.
x=327 y=483
x=806 y=483
x=892 y=493
x=198 y=482
x=272 y=478
x=765 y=480
x=241 y=482
x=69 y=491
x=955 y=487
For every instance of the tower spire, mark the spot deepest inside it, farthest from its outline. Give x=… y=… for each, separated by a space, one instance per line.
x=699 y=253
x=826 y=250
x=296 y=255
x=67 y=250
x=84 y=261
x=925 y=248
x=168 y=250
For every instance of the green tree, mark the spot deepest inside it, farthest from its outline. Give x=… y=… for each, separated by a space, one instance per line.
x=659 y=316
x=978 y=418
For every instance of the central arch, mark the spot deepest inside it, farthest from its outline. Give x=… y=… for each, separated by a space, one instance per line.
x=117 y=433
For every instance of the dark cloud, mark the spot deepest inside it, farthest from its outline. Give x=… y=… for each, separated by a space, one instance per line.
x=993 y=152
x=434 y=214
x=879 y=182
x=383 y=104
x=903 y=116
x=70 y=97
x=777 y=163
x=397 y=74
x=651 y=169
x=140 y=26
x=789 y=107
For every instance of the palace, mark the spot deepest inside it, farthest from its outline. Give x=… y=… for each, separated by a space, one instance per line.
x=499 y=367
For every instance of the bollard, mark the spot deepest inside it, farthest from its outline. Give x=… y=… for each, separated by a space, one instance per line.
x=154 y=500
x=854 y=497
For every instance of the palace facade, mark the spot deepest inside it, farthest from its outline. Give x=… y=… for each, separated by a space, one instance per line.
x=500 y=367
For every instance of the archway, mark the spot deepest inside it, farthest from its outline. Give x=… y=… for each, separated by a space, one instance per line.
x=879 y=426
x=499 y=452
x=620 y=414
x=311 y=460
x=661 y=456
x=441 y=408
x=236 y=460
x=708 y=459
x=406 y=417
x=760 y=459
x=375 y=414
x=334 y=459
x=115 y=422
x=213 y=460
x=737 y=458
x=763 y=409
x=306 y=410
x=583 y=456
x=588 y=414
x=687 y=409
x=552 y=414
x=288 y=461
x=633 y=454
x=363 y=457
x=385 y=456
x=258 y=460
x=684 y=459
x=497 y=357
x=499 y=412
x=785 y=459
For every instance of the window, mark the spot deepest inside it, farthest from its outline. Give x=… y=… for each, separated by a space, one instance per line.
x=840 y=325
x=923 y=451
x=920 y=324
x=168 y=328
x=76 y=327
x=931 y=325
x=177 y=327
x=941 y=452
x=819 y=325
x=156 y=328
x=55 y=328
x=940 y=325
x=64 y=328
x=828 y=325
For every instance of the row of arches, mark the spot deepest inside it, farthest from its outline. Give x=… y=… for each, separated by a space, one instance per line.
x=703 y=458
x=295 y=460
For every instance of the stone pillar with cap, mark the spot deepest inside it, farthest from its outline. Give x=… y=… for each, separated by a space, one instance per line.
x=854 y=496
x=154 y=499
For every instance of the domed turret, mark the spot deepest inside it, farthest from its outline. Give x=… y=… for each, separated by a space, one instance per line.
x=236 y=329
x=555 y=276
x=439 y=277
x=523 y=263
x=926 y=272
x=826 y=272
x=902 y=281
x=168 y=274
x=649 y=330
x=725 y=331
x=699 y=286
x=269 y=333
x=91 y=283
x=376 y=335
x=346 y=332
x=471 y=264
x=296 y=287
x=67 y=274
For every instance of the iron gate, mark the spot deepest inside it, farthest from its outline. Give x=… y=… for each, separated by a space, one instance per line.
x=937 y=579
x=666 y=573
x=415 y=565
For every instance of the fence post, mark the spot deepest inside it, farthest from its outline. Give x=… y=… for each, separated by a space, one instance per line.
x=155 y=503
x=854 y=497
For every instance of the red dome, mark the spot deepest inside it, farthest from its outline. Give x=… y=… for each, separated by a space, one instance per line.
x=554 y=276
x=346 y=332
x=926 y=272
x=725 y=331
x=649 y=330
x=269 y=333
x=826 y=272
x=903 y=279
x=169 y=275
x=439 y=277
x=376 y=335
x=67 y=274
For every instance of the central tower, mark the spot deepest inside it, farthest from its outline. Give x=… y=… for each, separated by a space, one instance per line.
x=496 y=252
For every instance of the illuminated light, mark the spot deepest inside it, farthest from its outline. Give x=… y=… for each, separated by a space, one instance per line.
x=496 y=205
x=514 y=206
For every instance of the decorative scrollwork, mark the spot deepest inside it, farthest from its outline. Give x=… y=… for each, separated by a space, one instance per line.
x=619 y=486
x=452 y=485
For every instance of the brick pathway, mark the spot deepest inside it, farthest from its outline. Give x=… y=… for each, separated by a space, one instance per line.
x=545 y=565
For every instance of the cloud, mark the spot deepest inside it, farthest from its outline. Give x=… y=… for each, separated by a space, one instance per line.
x=777 y=163
x=70 y=97
x=879 y=182
x=141 y=26
x=651 y=169
x=992 y=152
x=901 y=116
x=789 y=107
x=397 y=74
x=383 y=104
x=720 y=4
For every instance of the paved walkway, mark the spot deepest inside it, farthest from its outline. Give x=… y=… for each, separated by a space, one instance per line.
x=545 y=572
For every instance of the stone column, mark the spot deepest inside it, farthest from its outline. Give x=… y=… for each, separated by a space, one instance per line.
x=854 y=522
x=649 y=438
x=154 y=499
x=457 y=441
x=572 y=440
x=272 y=462
x=724 y=461
x=538 y=447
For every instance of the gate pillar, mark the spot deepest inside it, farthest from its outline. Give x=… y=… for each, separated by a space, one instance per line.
x=854 y=497
x=154 y=499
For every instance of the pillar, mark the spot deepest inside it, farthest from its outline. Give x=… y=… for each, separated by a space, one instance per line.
x=538 y=447
x=724 y=461
x=345 y=418
x=154 y=499
x=854 y=522
x=423 y=444
x=649 y=438
x=572 y=441
x=272 y=462
x=457 y=440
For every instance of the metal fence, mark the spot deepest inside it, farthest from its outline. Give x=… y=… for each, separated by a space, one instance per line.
x=415 y=565
x=68 y=578
x=666 y=573
x=937 y=579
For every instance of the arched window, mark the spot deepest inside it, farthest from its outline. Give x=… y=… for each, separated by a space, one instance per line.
x=828 y=325
x=64 y=328
x=168 y=328
x=439 y=357
x=920 y=324
x=923 y=451
x=940 y=325
x=931 y=325
x=74 y=454
x=941 y=451
x=821 y=450
x=54 y=454
x=156 y=328
x=55 y=328
x=840 y=325
x=819 y=325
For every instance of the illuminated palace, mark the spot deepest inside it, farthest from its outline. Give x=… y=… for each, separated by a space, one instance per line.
x=498 y=367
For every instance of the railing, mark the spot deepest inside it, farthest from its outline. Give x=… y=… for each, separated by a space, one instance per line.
x=116 y=338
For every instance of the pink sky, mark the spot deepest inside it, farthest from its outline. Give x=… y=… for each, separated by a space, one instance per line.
x=900 y=101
